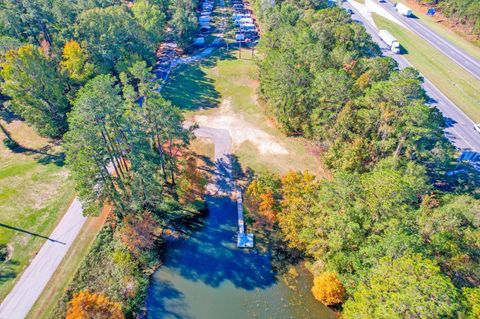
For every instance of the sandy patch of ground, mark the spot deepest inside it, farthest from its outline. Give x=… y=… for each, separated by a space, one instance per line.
x=241 y=130
x=370 y=7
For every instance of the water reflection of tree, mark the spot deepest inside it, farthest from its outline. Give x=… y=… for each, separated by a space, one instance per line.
x=210 y=254
x=270 y=240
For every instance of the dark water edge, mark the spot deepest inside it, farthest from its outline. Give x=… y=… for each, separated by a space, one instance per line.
x=205 y=276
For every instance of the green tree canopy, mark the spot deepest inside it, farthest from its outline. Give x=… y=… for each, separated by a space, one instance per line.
x=36 y=90
x=113 y=38
x=407 y=287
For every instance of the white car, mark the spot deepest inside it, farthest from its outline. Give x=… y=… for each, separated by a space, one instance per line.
x=477 y=127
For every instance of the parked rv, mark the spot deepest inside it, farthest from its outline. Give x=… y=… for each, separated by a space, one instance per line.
x=238 y=16
x=241 y=21
x=204 y=18
x=247 y=27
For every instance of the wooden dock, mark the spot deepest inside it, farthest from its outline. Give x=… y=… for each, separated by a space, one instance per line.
x=243 y=240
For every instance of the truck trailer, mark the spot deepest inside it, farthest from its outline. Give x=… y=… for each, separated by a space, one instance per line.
x=403 y=9
x=389 y=40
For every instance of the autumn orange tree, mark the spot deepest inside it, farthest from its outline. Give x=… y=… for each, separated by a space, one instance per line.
x=90 y=305
x=328 y=289
x=191 y=184
x=139 y=233
x=262 y=197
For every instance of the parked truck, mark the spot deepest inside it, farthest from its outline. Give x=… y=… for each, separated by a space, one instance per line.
x=403 y=9
x=389 y=40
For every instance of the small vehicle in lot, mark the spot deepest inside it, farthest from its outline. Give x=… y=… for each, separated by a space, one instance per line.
x=477 y=127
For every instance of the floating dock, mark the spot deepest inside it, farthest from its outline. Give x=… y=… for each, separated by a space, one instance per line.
x=243 y=240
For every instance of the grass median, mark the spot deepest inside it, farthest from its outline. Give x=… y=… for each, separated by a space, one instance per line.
x=458 y=85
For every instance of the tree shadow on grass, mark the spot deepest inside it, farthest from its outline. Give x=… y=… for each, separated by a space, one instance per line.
x=189 y=87
x=43 y=155
x=7 y=271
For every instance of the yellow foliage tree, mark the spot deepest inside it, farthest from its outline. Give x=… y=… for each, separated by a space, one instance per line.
x=298 y=196
x=328 y=289
x=87 y=305
x=266 y=207
x=75 y=62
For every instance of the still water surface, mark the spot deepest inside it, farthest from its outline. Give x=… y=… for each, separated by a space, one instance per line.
x=207 y=277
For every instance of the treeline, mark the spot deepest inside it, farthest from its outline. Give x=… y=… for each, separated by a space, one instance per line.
x=391 y=234
x=51 y=48
x=464 y=12
x=82 y=71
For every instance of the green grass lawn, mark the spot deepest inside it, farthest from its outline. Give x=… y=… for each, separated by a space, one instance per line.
x=472 y=48
x=33 y=197
x=201 y=88
x=456 y=83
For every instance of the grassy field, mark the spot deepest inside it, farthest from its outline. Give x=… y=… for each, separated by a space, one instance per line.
x=203 y=90
x=472 y=48
x=456 y=83
x=34 y=194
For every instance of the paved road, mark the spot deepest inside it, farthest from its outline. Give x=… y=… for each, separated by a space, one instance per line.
x=36 y=276
x=222 y=184
x=458 y=55
x=460 y=129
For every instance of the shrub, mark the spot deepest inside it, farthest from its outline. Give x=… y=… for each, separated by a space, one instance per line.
x=10 y=144
x=328 y=289
x=472 y=297
x=85 y=305
x=3 y=252
x=139 y=233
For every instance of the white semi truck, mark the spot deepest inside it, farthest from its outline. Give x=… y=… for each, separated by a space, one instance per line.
x=389 y=40
x=403 y=9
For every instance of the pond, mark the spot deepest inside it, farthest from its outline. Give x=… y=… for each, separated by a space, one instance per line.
x=205 y=276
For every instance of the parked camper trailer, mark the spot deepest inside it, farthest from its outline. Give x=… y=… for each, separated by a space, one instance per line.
x=241 y=21
x=204 y=18
x=238 y=16
x=247 y=27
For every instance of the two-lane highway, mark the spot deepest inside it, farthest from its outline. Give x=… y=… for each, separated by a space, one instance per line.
x=460 y=130
x=457 y=55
